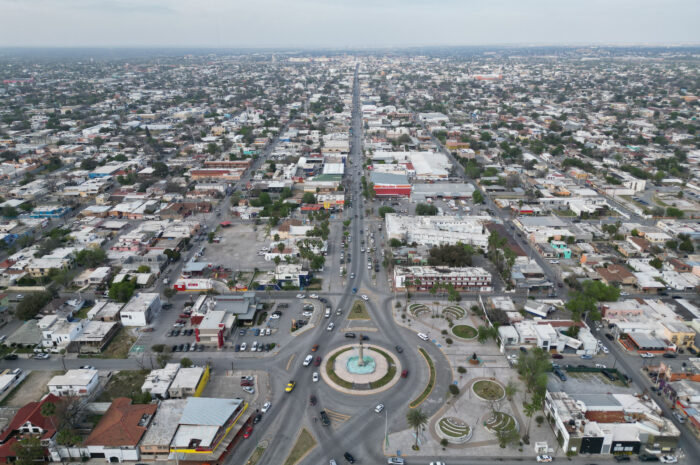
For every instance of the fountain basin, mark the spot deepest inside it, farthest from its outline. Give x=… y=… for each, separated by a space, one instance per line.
x=355 y=368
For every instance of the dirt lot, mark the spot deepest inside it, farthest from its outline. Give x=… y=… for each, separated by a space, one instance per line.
x=29 y=390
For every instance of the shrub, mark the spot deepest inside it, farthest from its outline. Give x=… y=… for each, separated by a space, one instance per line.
x=454 y=390
x=158 y=348
x=449 y=340
x=461 y=370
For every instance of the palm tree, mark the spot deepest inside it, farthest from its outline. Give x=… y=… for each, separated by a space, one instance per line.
x=529 y=410
x=511 y=389
x=416 y=419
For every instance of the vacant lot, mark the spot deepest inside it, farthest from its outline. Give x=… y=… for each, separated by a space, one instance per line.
x=29 y=390
x=239 y=248
x=123 y=384
x=120 y=345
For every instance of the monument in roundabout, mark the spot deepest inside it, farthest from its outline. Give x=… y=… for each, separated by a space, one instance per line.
x=360 y=368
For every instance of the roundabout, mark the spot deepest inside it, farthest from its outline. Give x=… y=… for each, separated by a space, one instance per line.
x=361 y=369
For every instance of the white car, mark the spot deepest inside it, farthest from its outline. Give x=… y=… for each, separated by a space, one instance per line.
x=364 y=297
x=669 y=459
x=307 y=361
x=244 y=346
x=265 y=407
x=624 y=294
x=274 y=316
x=646 y=355
x=395 y=461
x=249 y=389
x=544 y=458
x=314 y=377
x=437 y=463
x=423 y=336
x=301 y=296
x=307 y=314
x=268 y=331
x=313 y=296
x=379 y=408
x=330 y=326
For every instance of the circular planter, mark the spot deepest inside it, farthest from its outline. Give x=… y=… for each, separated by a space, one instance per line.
x=454 y=430
x=488 y=390
x=501 y=421
x=338 y=377
x=465 y=332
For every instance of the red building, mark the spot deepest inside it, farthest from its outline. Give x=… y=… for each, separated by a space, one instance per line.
x=390 y=185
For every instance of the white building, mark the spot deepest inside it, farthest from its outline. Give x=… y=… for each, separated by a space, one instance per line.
x=438 y=230
x=140 y=309
x=57 y=332
x=158 y=381
x=75 y=383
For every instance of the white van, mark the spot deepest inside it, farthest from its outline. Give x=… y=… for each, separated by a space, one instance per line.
x=328 y=312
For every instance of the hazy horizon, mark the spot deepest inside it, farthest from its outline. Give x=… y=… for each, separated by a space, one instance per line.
x=342 y=24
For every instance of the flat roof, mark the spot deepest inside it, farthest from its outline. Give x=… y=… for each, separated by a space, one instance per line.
x=204 y=411
x=164 y=423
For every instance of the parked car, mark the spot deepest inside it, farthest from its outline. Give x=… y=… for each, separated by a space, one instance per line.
x=557 y=356
x=42 y=356
x=622 y=458
x=248 y=432
x=544 y=459
x=348 y=456
x=11 y=357
x=395 y=461
x=647 y=458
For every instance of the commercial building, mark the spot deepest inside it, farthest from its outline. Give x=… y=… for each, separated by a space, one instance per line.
x=189 y=382
x=438 y=230
x=158 y=381
x=423 y=278
x=609 y=423
x=390 y=185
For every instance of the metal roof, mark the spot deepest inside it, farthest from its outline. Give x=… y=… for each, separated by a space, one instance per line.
x=208 y=411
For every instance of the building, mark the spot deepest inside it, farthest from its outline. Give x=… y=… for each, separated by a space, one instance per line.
x=28 y=420
x=140 y=309
x=390 y=185
x=155 y=444
x=292 y=273
x=207 y=428
x=158 y=381
x=438 y=230
x=95 y=336
x=116 y=437
x=609 y=423
x=74 y=383
x=188 y=382
x=423 y=278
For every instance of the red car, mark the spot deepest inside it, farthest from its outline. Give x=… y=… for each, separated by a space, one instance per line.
x=404 y=374
x=184 y=315
x=557 y=356
x=317 y=361
x=248 y=432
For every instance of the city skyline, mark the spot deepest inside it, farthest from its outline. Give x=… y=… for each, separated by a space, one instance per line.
x=342 y=24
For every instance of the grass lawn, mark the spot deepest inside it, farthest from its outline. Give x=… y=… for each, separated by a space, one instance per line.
x=359 y=311
x=331 y=373
x=488 y=390
x=431 y=381
x=305 y=442
x=123 y=384
x=391 y=372
x=120 y=345
x=255 y=456
x=464 y=331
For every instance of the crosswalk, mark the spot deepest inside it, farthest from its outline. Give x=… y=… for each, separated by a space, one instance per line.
x=337 y=417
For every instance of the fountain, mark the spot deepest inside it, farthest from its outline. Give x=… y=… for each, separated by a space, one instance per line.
x=361 y=364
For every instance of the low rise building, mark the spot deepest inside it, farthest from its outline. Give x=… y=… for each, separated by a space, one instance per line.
x=423 y=278
x=74 y=383
x=188 y=382
x=140 y=309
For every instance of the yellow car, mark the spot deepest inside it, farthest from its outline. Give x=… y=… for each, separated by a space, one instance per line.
x=290 y=386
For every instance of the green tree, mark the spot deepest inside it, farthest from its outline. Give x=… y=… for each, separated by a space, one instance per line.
x=416 y=419
x=424 y=209
x=394 y=242
x=168 y=292
x=478 y=197
x=122 y=291
x=9 y=212
x=511 y=389
x=160 y=169
x=186 y=362
x=90 y=257
x=656 y=263
x=28 y=451
x=384 y=210
x=31 y=304
x=143 y=269
x=308 y=198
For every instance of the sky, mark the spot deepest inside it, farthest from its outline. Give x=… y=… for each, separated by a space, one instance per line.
x=345 y=23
